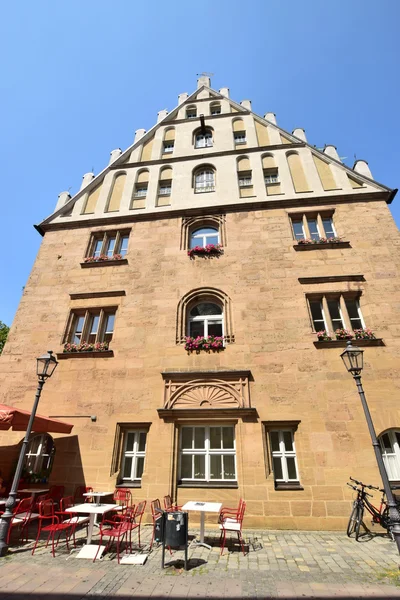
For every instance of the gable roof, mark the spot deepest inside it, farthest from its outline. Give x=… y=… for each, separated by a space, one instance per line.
x=169 y=119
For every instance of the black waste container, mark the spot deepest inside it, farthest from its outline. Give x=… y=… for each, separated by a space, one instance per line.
x=176 y=528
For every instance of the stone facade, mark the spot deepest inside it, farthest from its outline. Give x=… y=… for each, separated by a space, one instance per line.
x=270 y=374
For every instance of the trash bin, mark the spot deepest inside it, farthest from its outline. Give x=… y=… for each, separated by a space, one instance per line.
x=172 y=530
x=176 y=529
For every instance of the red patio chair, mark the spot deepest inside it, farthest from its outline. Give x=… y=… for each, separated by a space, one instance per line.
x=46 y=513
x=233 y=524
x=21 y=517
x=70 y=517
x=155 y=506
x=115 y=529
x=227 y=512
x=136 y=521
x=123 y=498
x=38 y=500
x=168 y=506
x=79 y=498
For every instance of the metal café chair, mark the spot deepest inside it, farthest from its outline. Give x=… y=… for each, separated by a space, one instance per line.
x=117 y=530
x=168 y=506
x=46 y=513
x=22 y=516
x=233 y=524
x=71 y=518
x=79 y=498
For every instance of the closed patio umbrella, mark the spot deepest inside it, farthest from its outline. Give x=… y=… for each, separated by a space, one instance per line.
x=17 y=420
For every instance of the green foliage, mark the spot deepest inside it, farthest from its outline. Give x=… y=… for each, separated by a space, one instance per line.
x=4 y=329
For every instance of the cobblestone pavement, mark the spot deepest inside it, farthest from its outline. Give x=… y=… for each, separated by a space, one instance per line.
x=279 y=564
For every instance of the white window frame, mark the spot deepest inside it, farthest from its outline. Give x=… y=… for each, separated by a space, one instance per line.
x=134 y=454
x=358 y=312
x=239 y=137
x=298 y=220
x=165 y=189
x=204 y=140
x=88 y=314
x=283 y=454
x=317 y=225
x=391 y=459
x=344 y=324
x=332 y=225
x=203 y=236
x=168 y=147
x=141 y=190
x=272 y=176
x=205 y=319
x=103 y=240
x=215 y=110
x=38 y=457
x=324 y=324
x=246 y=179
x=191 y=113
x=204 y=181
x=207 y=452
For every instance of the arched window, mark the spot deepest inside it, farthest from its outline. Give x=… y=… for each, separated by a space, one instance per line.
x=203 y=139
x=239 y=132
x=390 y=448
x=204 y=180
x=205 y=318
x=201 y=305
x=191 y=112
x=204 y=236
x=169 y=141
x=164 y=187
x=39 y=458
x=215 y=108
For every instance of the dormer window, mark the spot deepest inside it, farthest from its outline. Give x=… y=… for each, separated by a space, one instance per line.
x=203 y=139
x=215 y=109
x=191 y=112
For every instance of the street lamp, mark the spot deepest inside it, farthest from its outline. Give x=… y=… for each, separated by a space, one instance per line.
x=353 y=361
x=45 y=367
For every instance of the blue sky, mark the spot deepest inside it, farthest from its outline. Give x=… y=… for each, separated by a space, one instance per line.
x=79 y=77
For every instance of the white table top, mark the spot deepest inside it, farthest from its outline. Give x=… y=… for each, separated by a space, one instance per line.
x=97 y=494
x=97 y=509
x=202 y=506
x=34 y=491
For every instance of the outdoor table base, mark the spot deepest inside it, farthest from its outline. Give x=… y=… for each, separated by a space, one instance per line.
x=202 y=508
x=89 y=550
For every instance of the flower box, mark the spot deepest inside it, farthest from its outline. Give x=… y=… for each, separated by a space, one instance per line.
x=345 y=334
x=210 y=249
x=86 y=347
x=214 y=343
x=323 y=336
x=332 y=240
x=102 y=258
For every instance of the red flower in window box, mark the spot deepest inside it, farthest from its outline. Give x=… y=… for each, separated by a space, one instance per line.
x=344 y=334
x=323 y=336
x=308 y=241
x=208 y=250
x=86 y=347
x=212 y=342
x=364 y=334
x=103 y=258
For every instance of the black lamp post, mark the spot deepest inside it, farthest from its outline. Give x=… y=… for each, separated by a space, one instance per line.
x=46 y=365
x=353 y=360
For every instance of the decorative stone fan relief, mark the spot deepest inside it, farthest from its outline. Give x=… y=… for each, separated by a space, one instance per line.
x=205 y=396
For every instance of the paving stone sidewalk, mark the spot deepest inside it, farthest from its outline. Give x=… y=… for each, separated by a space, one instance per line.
x=280 y=564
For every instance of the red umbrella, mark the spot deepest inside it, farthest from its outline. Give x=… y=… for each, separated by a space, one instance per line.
x=17 y=420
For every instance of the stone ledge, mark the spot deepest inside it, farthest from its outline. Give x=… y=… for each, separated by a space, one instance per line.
x=209 y=484
x=65 y=355
x=302 y=247
x=342 y=343
x=104 y=263
x=280 y=487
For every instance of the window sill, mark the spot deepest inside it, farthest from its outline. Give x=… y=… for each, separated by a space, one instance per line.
x=129 y=484
x=204 y=191
x=342 y=343
x=65 y=355
x=104 y=263
x=280 y=487
x=209 y=484
x=301 y=247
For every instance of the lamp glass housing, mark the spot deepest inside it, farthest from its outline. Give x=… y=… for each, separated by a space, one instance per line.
x=353 y=359
x=46 y=365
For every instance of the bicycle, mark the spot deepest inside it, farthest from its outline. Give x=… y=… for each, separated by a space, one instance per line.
x=379 y=515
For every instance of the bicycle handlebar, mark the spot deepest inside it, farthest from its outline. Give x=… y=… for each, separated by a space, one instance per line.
x=370 y=487
x=359 y=491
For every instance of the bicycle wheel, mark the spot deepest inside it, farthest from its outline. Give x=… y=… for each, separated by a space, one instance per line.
x=385 y=523
x=359 y=521
x=351 y=526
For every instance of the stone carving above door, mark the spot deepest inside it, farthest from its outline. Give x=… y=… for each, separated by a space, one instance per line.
x=214 y=390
